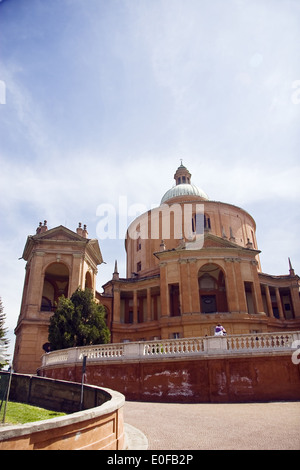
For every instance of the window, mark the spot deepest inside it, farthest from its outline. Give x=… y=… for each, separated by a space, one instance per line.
x=207 y=282
x=56 y=283
x=139 y=266
x=212 y=289
x=46 y=305
x=208 y=304
x=200 y=222
x=197 y=223
x=174 y=300
x=206 y=222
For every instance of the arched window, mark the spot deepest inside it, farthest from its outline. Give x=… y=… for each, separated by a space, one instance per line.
x=206 y=222
x=200 y=222
x=207 y=282
x=212 y=289
x=56 y=284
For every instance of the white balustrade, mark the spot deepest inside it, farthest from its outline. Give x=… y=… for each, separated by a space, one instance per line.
x=183 y=347
x=261 y=341
x=105 y=351
x=175 y=347
x=55 y=357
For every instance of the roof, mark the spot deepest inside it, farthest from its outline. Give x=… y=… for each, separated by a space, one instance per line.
x=63 y=235
x=184 y=190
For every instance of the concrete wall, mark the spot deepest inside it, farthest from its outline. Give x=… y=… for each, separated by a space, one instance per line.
x=246 y=378
x=99 y=427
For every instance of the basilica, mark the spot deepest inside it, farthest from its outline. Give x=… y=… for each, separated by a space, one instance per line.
x=191 y=263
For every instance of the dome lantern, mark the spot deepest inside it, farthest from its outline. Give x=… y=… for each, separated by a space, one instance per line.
x=182 y=175
x=184 y=187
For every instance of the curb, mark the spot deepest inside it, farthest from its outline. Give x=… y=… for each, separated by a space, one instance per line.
x=134 y=438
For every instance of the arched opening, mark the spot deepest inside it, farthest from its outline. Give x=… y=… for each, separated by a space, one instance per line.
x=56 y=284
x=212 y=289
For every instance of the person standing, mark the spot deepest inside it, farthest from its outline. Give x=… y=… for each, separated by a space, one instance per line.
x=220 y=330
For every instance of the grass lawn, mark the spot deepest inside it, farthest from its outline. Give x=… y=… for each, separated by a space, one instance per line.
x=19 y=413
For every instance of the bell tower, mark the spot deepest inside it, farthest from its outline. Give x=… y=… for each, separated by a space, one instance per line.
x=58 y=261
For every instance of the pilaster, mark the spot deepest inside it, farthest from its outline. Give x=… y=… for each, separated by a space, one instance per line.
x=194 y=286
x=116 y=305
x=76 y=273
x=232 y=299
x=240 y=287
x=184 y=287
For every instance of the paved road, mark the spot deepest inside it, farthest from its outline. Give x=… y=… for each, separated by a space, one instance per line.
x=250 y=426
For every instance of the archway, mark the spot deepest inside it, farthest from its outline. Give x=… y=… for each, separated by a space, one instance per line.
x=212 y=289
x=56 y=283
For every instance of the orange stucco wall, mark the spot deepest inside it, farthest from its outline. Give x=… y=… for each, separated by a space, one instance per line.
x=217 y=380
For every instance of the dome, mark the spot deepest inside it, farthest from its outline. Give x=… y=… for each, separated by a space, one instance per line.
x=183 y=190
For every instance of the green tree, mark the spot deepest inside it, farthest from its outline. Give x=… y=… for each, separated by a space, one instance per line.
x=4 y=341
x=78 y=321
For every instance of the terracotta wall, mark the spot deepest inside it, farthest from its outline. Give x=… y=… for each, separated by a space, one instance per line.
x=217 y=380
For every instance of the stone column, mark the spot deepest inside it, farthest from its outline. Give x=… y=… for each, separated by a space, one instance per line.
x=164 y=294
x=279 y=304
x=149 y=313
x=256 y=288
x=135 y=307
x=294 y=290
x=269 y=302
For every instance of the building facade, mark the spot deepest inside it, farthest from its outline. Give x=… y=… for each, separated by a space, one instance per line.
x=191 y=263
x=58 y=261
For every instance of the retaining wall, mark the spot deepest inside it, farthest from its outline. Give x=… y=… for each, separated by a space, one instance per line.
x=216 y=380
x=99 y=426
x=236 y=368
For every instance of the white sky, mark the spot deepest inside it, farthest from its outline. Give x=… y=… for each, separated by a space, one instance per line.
x=101 y=99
